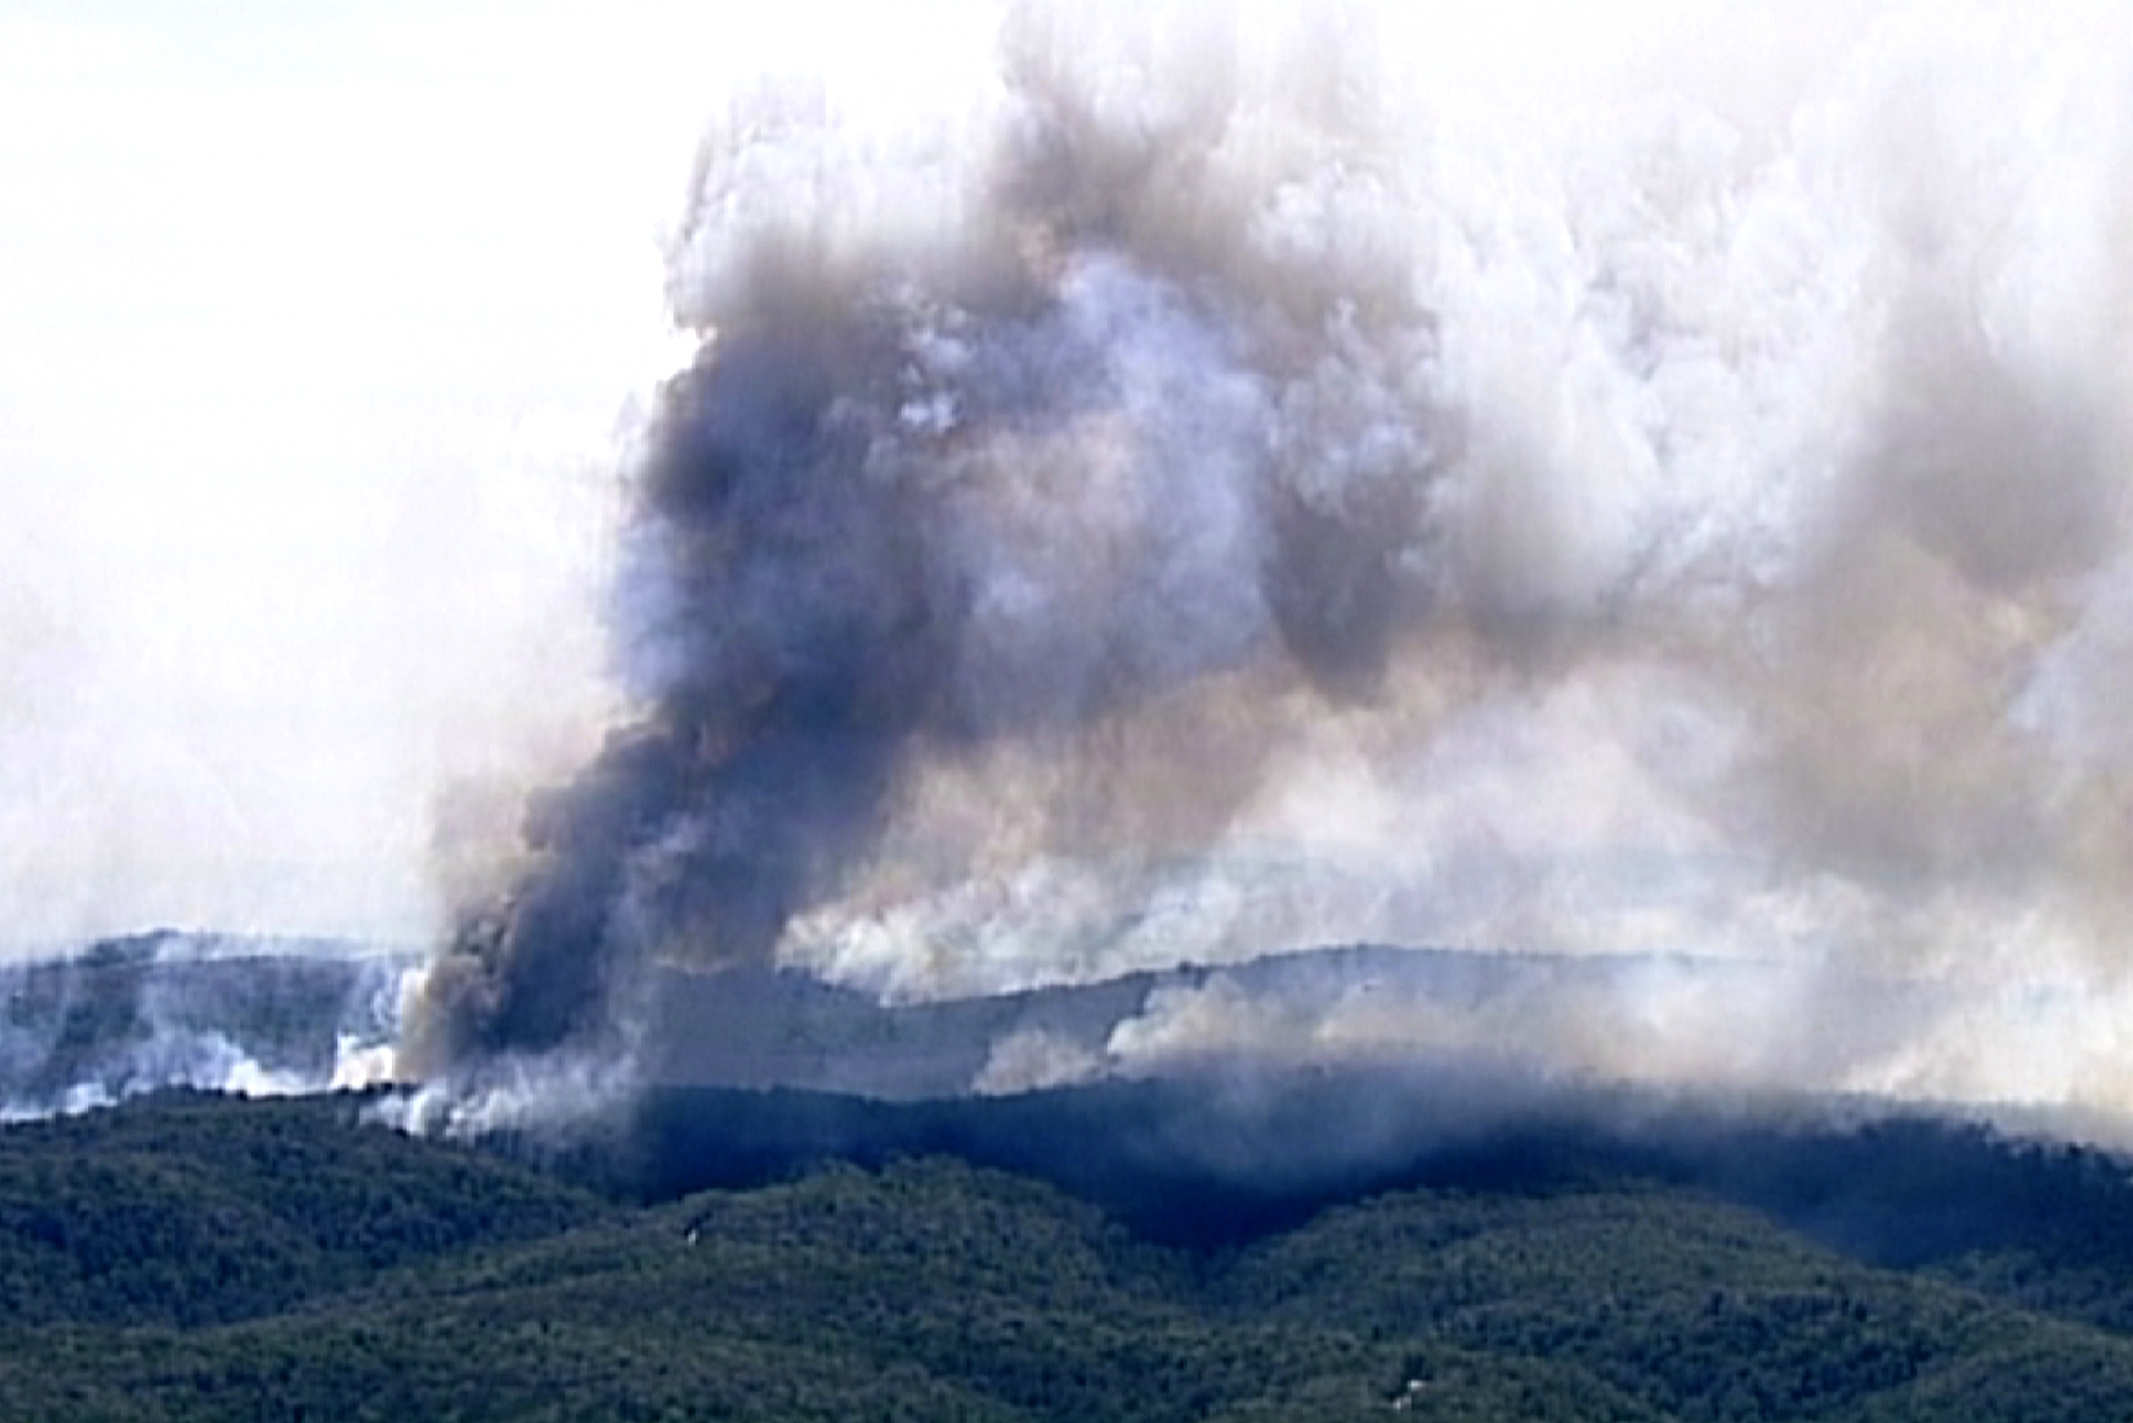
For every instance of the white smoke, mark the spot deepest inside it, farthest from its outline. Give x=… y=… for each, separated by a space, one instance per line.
x=525 y=1095
x=249 y=1017
x=1663 y=1022
x=1750 y=437
x=1647 y=484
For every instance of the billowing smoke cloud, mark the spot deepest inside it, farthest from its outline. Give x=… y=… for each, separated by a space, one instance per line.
x=1212 y=484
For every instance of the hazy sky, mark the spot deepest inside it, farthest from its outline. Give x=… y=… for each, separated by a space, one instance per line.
x=319 y=325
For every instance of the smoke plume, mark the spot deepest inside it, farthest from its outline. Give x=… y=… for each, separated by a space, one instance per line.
x=1216 y=481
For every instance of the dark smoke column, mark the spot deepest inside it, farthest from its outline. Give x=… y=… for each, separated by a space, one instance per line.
x=790 y=632
x=1020 y=449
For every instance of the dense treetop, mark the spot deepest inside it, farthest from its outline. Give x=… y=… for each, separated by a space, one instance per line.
x=196 y=1257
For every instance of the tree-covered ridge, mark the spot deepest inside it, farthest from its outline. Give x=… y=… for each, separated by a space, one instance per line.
x=191 y=1257
x=191 y=1208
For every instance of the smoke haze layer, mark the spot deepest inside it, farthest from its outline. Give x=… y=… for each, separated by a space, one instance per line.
x=258 y=1017
x=1213 y=481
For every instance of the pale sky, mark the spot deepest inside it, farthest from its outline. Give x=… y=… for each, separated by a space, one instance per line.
x=320 y=326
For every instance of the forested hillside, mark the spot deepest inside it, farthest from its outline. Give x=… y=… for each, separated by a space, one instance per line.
x=194 y=1257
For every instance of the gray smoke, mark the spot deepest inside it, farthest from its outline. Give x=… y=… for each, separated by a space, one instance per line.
x=1222 y=482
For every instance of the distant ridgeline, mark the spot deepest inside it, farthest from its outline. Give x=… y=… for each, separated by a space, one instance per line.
x=171 y=1009
x=759 y=1027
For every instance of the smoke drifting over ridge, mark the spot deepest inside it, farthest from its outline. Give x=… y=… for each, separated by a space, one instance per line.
x=1209 y=485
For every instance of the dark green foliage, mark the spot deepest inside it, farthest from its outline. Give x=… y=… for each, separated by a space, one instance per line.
x=190 y=1257
x=1216 y=1161
x=191 y=1208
